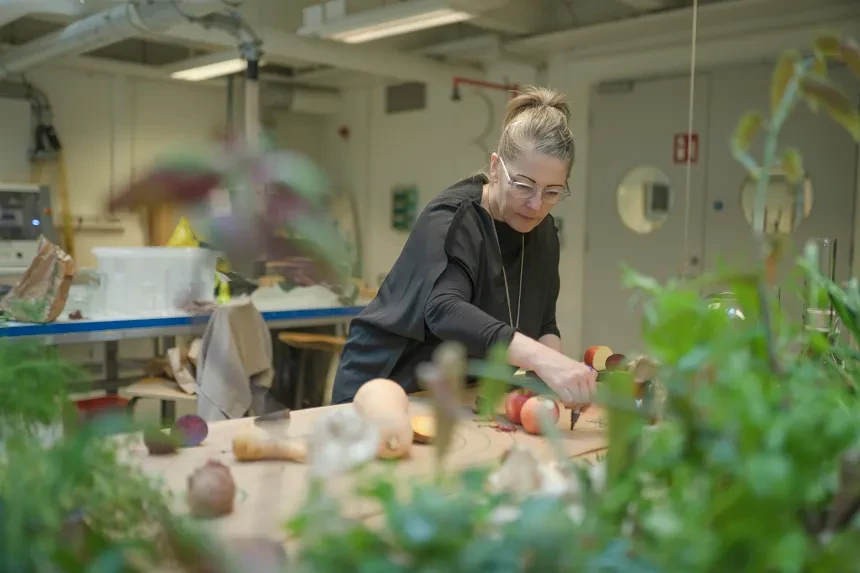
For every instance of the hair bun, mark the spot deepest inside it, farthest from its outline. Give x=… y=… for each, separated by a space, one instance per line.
x=535 y=98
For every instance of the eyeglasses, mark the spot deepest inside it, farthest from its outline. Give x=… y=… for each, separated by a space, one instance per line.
x=525 y=191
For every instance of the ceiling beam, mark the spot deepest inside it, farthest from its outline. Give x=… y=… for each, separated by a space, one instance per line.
x=279 y=45
x=524 y=17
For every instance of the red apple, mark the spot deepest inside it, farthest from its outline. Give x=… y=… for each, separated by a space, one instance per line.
x=616 y=362
x=514 y=403
x=536 y=408
x=595 y=356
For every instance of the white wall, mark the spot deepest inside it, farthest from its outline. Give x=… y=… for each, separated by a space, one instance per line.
x=112 y=127
x=432 y=149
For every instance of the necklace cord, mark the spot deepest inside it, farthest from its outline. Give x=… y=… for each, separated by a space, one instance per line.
x=505 y=276
x=504 y=273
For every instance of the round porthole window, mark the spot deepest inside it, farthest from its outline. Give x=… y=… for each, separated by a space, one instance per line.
x=787 y=205
x=645 y=199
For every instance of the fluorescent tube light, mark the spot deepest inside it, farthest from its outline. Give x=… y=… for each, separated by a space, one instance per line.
x=400 y=26
x=396 y=19
x=211 y=70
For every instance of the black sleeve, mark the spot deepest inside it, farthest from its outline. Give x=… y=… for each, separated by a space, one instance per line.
x=450 y=316
x=549 y=325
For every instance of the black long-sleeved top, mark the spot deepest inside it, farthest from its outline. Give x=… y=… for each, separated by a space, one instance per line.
x=448 y=284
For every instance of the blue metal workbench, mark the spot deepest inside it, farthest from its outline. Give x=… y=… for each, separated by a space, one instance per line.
x=111 y=330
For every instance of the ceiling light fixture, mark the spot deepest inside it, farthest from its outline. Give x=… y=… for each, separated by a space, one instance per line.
x=208 y=67
x=397 y=19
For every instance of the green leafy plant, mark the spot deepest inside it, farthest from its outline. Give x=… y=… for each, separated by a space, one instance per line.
x=797 y=78
x=68 y=502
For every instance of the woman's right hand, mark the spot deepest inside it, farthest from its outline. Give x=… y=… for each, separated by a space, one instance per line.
x=574 y=382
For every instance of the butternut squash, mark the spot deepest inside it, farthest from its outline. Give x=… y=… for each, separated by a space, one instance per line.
x=381 y=394
x=384 y=403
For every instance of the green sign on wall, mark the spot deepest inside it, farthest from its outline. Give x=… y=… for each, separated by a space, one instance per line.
x=404 y=207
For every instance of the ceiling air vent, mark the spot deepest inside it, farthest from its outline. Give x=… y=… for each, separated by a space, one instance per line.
x=400 y=98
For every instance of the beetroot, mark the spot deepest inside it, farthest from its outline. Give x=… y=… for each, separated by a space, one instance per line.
x=159 y=443
x=191 y=430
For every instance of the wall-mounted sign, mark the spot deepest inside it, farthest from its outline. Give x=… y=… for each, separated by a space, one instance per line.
x=404 y=207
x=686 y=147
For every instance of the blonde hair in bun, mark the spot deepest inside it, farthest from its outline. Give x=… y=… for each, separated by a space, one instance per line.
x=536 y=119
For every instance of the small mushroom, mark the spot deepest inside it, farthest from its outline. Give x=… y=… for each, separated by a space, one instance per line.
x=341 y=441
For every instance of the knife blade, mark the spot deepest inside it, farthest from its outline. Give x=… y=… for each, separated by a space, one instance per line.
x=275 y=423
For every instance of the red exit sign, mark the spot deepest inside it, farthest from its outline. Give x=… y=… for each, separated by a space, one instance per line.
x=686 y=148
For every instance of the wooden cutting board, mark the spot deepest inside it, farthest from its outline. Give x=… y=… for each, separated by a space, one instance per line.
x=269 y=493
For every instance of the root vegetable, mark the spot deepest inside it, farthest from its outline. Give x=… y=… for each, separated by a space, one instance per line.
x=191 y=430
x=595 y=356
x=211 y=490
x=384 y=403
x=514 y=403
x=424 y=429
x=395 y=435
x=616 y=362
x=534 y=410
x=253 y=447
x=159 y=443
x=380 y=395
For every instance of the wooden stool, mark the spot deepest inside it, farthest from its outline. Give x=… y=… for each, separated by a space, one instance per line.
x=311 y=341
x=166 y=391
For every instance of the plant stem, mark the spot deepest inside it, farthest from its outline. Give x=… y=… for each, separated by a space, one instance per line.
x=779 y=117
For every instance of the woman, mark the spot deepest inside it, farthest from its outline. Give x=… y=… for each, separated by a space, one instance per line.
x=480 y=267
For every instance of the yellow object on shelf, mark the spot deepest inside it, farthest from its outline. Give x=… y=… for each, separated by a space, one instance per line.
x=183 y=235
x=223 y=292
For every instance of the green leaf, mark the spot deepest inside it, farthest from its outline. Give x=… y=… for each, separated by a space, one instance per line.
x=850 y=54
x=782 y=75
x=839 y=106
x=792 y=164
x=492 y=390
x=748 y=127
x=819 y=67
x=828 y=46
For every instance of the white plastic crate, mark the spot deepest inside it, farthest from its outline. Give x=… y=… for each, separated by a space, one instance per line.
x=152 y=281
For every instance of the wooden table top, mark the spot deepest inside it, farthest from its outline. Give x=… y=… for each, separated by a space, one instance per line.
x=269 y=493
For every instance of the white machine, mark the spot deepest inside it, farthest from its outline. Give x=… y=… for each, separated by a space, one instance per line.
x=25 y=214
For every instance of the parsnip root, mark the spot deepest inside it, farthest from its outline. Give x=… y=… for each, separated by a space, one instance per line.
x=253 y=447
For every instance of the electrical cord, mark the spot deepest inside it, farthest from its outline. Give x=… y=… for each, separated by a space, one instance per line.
x=690 y=117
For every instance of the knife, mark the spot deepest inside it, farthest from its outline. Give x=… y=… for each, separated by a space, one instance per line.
x=275 y=423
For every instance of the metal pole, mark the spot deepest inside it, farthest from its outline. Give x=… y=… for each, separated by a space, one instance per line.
x=252 y=103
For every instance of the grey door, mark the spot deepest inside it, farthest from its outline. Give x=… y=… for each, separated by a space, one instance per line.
x=830 y=158
x=633 y=137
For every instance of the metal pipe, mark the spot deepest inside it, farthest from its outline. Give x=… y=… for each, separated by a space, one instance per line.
x=99 y=30
x=231 y=98
x=249 y=48
x=252 y=103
